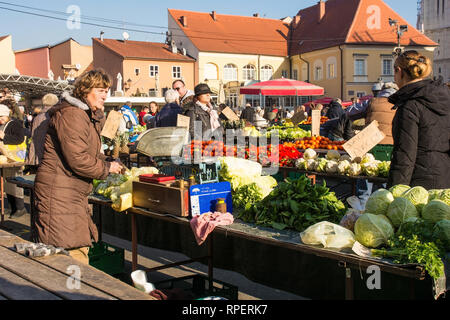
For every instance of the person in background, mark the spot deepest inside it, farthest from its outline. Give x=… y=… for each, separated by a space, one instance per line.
x=153 y=108
x=130 y=120
x=186 y=96
x=248 y=114
x=421 y=125
x=12 y=133
x=149 y=118
x=201 y=111
x=142 y=114
x=380 y=109
x=72 y=159
x=335 y=109
x=299 y=111
x=168 y=115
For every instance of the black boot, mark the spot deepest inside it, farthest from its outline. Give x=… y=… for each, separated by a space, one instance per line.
x=19 y=207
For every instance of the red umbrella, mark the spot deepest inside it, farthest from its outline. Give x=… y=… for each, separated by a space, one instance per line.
x=283 y=87
x=325 y=100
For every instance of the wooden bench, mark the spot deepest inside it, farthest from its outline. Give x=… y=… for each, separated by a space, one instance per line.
x=56 y=277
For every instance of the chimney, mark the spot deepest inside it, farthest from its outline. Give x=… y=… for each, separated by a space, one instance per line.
x=256 y=15
x=101 y=35
x=173 y=47
x=184 y=21
x=214 y=16
x=296 y=20
x=321 y=9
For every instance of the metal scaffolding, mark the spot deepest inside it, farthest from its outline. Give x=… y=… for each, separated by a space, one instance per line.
x=31 y=87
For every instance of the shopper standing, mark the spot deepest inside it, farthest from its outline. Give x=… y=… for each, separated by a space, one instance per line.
x=72 y=159
x=421 y=125
x=186 y=96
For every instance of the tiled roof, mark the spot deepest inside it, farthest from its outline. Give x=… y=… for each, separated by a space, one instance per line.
x=234 y=34
x=350 y=22
x=142 y=50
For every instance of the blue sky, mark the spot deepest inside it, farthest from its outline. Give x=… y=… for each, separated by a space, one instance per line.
x=31 y=31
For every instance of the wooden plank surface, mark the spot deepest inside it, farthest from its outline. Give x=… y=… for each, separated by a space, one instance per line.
x=16 y=288
x=45 y=277
x=90 y=276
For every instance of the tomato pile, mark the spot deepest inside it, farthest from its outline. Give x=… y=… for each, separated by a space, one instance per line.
x=319 y=143
x=323 y=119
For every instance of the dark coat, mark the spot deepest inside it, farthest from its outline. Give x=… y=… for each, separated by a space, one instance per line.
x=335 y=110
x=14 y=132
x=197 y=114
x=338 y=128
x=168 y=115
x=421 y=132
x=72 y=159
x=248 y=114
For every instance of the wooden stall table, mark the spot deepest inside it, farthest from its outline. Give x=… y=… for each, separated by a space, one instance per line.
x=53 y=277
x=2 y=191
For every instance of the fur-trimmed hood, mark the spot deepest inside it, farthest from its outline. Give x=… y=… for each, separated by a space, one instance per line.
x=70 y=101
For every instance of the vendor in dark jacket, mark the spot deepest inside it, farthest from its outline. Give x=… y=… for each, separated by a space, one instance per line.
x=204 y=120
x=335 y=109
x=421 y=125
x=248 y=113
x=168 y=115
x=12 y=133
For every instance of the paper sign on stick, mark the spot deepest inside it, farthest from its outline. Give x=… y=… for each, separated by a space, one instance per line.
x=315 y=123
x=364 y=141
x=298 y=117
x=112 y=124
x=227 y=112
x=183 y=121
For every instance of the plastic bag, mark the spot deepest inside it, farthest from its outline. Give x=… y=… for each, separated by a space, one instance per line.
x=329 y=235
x=357 y=209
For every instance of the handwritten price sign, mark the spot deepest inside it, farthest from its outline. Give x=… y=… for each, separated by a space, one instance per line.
x=364 y=141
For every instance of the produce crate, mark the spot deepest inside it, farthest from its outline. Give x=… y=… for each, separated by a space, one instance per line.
x=107 y=258
x=203 y=172
x=382 y=152
x=306 y=127
x=198 y=286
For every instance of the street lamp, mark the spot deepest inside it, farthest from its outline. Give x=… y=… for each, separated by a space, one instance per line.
x=400 y=30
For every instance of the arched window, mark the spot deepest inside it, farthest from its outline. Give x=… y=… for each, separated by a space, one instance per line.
x=230 y=72
x=211 y=71
x=266 y=72
x=249 y=72
x=318 y=70
x=331 y=68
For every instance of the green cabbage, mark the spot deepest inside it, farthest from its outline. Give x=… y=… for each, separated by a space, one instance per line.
x=434 y=194
x=265 y=185
x=445 y=196
x=398 y=190
x=379 y=201
x=441 y=231
x=418 y=196
x=435 y=211
x=401 y=209
x=373 y=230
x=333 y=155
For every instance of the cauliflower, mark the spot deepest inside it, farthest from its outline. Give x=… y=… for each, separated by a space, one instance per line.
x=300 y=164
x=333 y=155
x=345 y=157
x=321 y=164
x=370 y=169
x=354 y=169
x=368 y=158
x=343 y=166
x=331 y=167
x=311 y=164
x=309 y=154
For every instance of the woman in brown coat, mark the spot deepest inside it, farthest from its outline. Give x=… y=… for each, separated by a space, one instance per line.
x=72 y=159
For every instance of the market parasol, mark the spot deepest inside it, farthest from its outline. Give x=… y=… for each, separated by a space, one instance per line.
x=282 y=87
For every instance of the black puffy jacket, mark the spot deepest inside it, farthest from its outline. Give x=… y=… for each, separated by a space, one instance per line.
x=421 y=132
x=335 y=110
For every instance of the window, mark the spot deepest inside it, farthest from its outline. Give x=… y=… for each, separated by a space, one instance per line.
x=266 y=73
x=437 y=1
x=318 y=73
x=360 y=67
x=388 y=67
x=331 y=67
x=249 y=72
x=284 y=74
x=360 y=94
x=137 y=71
x=230 y=73
x=318 y=70
x=176 y=72
x=295 y=74
x=153 y=71
x=211 y=71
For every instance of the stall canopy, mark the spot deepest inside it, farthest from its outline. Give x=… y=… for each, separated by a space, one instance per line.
x=282 y=87
x=328 y=100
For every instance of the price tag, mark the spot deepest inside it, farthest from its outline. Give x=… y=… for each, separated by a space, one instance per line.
x=227 y=112
x=364 y=141
x=183 y=121
x=111 y=124
x=315 y=123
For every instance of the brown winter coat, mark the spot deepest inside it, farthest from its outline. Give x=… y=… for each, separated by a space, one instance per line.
x=380 y=109
x=72 y=159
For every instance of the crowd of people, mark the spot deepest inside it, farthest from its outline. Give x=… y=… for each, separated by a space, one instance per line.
x=65 y=148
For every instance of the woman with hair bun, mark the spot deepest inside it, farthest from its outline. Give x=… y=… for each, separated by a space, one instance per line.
x=421 y=125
